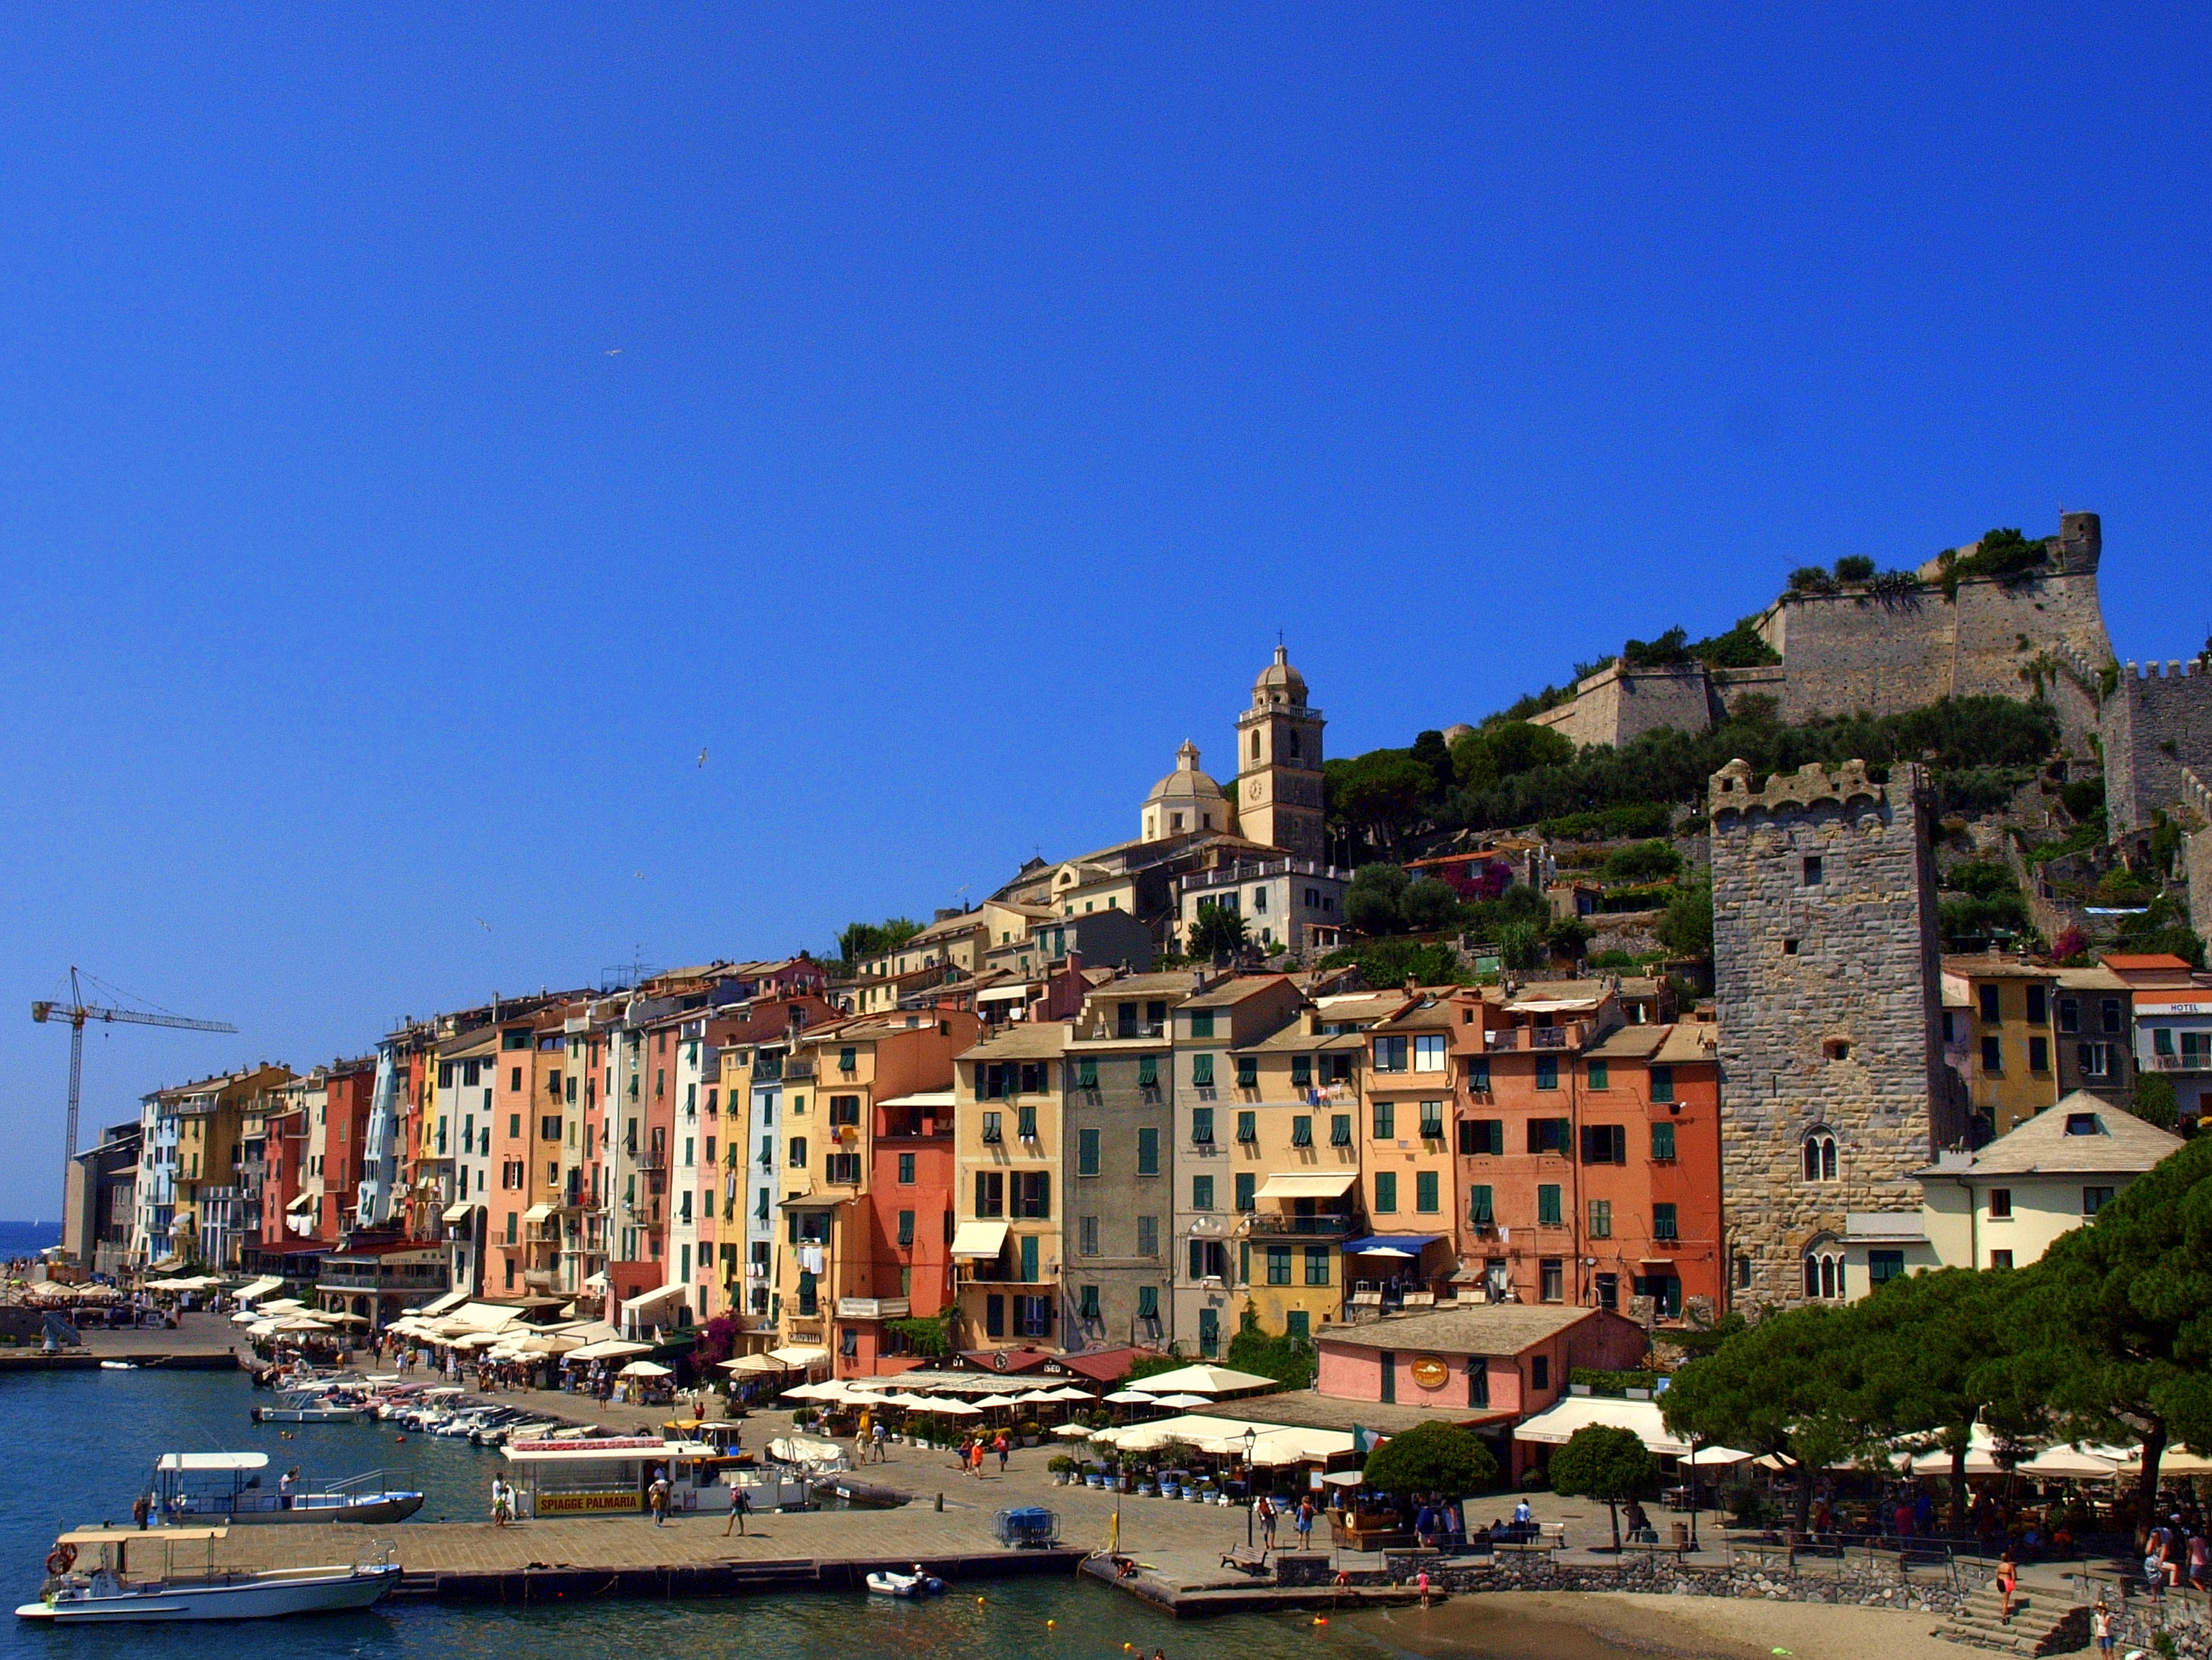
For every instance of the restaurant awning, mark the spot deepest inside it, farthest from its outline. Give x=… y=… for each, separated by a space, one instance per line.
x=258 y=1288
x=979 y=1241
x=1556 y=1425
x=1004 y=994
x=458 y=1212
x=653 y=1298
x=800 y=1356
x=1298 y=1184
x=451 y=1299
x=538 y=1213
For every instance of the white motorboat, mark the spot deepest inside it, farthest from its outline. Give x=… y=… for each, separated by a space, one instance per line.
x=114 y=1590
x=203 y=1488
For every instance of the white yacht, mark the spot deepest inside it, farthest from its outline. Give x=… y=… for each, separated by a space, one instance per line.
x=199 y=1488
x=124 y=1583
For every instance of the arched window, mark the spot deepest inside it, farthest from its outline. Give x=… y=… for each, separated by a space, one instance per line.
x=1255 y=743
x=1819 y=1155
x=1823 y=1271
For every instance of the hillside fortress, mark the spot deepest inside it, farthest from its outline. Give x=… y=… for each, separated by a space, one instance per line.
x=1873 y=649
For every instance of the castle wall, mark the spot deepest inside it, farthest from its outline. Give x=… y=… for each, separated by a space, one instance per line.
x=2196 y=852
x=2158 y=721
x=1828 y=996
x=1620 y=704
x=1850 y=652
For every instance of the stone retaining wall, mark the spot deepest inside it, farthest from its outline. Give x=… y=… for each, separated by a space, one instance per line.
x=1867 y=1584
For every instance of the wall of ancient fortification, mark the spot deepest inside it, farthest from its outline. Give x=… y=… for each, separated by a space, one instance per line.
x=1829 y=999
x=1618 y=704
x=2157 y=722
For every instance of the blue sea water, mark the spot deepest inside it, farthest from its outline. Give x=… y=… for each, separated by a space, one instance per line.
x=27 y=1239
x=81 y=1443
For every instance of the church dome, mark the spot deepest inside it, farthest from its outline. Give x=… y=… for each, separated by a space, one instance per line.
x=1185 y=801
x=1278 y=683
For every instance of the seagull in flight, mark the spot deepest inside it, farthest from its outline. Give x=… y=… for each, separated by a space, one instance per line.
x=703 y=757
x=615 y=351
x=485 y=926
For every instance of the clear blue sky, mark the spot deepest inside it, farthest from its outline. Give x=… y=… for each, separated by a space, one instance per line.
x=423 y=431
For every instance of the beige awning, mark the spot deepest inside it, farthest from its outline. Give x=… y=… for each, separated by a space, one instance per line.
x=653 y=1298
x=800 y=1356
x=538 y=1213
x=977 y=1241
x=459 y=1212
x=301 y=1202
x=259 y=1288
x=1004 y=994
x=1300 y=1185
x=451 y=1299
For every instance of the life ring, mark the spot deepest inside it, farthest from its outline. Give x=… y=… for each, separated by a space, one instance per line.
x=61 y=1558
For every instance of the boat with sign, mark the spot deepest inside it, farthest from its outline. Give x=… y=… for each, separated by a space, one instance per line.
x=207 y=1489
x=113 y=1576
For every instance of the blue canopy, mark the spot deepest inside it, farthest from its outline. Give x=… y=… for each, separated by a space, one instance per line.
x=1411 y=1243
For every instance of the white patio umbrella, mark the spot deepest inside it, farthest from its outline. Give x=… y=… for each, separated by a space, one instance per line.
x=1208 y=1380
x=1132 y=1398
x=644 y=1368
x=549 y=1342
x=2069 y=1464
x=1067 y=1392
x=947 y=1407
x=1182 y=1402
x=1032 y=1397
x=1071 y=1432
x=613 y=1349
x=752 y=1363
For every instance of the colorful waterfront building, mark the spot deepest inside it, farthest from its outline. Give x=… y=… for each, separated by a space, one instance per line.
x=1118 y=1152
x=1007 y=1247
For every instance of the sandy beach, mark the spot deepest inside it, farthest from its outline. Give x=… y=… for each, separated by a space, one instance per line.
x=1603 y=1626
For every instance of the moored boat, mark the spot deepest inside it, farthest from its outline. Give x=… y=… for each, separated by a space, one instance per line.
x=203 y=1488
x=114 y=1590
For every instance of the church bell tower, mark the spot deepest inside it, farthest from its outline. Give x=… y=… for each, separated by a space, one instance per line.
x=1278 y=790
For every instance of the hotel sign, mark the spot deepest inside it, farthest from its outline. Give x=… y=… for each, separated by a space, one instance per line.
x=588 y=1504
x=1429 y=1372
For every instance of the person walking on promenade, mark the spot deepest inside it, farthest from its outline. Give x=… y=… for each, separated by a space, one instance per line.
x=882 y=1441
x=739 y=1506
x=1424 y=1583
x=2008 y=1582
x=1302 y=1523
x=2100 y=1627
x=1001 y=1446
x=502 y=1502
x=1267 y=1509
x=657 y=1496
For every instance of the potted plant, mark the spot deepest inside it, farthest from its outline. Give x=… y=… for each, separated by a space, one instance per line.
x=1062 y=1468
x=1031 y=1432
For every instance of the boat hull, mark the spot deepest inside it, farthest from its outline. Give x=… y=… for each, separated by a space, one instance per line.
x=260 y=1598
x=389 y=1507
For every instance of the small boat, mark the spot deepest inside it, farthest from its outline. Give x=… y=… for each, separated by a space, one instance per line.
x=200 y=1488
x=117 y=1365
x=113 y=1592
x=916 y=1583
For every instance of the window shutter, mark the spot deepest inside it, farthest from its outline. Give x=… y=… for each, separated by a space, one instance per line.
x=1535 y=1135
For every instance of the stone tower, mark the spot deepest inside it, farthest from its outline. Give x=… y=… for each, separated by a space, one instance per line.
x=1829 y=996
x=1279 y=763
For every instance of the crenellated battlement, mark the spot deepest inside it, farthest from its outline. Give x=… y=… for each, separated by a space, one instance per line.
x=1733 y=791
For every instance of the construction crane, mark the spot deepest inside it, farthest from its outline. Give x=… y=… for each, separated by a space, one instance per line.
x=76 y=1012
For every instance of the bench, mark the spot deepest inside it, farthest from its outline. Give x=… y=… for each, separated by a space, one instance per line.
x=1540 y=1536
x=1253 y=1564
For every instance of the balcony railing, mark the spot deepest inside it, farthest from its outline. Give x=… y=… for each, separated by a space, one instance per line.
x=2181 y=1063
x=767 y=1071
x=652 y=1158
x=1569 y=1035
x=798 y=1069
x=1274 y=1223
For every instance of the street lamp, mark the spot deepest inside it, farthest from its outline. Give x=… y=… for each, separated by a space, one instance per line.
x=1251 y=1498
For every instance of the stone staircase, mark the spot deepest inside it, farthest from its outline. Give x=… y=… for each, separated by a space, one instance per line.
x=2043 y=1622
